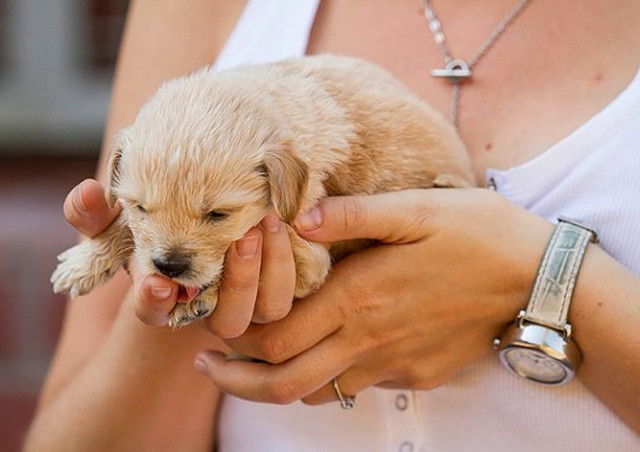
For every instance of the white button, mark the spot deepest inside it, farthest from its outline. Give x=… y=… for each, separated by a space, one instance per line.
x=402 y=402
x=406 y=446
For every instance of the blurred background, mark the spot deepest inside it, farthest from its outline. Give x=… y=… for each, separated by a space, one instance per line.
x=56 y=63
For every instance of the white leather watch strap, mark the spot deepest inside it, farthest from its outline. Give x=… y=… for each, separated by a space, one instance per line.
x=551 y=296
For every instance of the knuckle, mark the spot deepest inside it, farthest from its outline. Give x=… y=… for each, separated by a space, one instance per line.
x=270 y=313
x=424 y=213
x=237 y=283
x=278 y=252
x=354 y=214
x=274 y=349
x=226 y=330
x=281 y=392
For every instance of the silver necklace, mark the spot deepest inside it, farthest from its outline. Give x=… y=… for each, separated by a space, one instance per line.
x=457 y=70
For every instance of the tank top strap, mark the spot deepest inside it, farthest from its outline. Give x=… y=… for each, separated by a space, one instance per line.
x=269 y=30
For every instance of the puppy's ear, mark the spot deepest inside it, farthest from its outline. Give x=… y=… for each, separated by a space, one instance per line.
x=288 y=177
x=120 y=141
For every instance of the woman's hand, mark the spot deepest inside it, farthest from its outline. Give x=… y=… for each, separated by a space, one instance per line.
x=454 y=267
x=263 y=254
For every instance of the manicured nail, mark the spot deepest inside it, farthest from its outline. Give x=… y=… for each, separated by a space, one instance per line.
x=309 y=220
x=161 y=293
x=247 y=246
x=271 y=222
x=78 y=202
x=201 y=365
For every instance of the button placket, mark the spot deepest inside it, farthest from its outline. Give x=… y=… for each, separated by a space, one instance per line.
x=404 y=422
x=406 y=446
x=402 y=402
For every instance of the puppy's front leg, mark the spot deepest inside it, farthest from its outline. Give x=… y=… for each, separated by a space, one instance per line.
x=201 y=306
x=313 y=263
x=93 y=261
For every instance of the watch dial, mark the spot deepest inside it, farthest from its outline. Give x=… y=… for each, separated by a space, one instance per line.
x=535 y=365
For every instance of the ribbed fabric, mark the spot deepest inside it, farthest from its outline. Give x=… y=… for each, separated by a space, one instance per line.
x=593 y=175
x=267 y=31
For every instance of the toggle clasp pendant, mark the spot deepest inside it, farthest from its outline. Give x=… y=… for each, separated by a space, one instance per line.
x=456 y=71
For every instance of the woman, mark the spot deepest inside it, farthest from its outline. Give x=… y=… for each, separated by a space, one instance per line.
x=550 y=116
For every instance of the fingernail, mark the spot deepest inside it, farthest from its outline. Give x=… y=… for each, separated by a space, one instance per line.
x=78 y=202
x=201 y=365
x=161 y=293
x=309 y=220
x=247 y=246
x=271 y=222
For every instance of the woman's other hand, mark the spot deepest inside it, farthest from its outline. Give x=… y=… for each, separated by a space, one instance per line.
x=453 y=268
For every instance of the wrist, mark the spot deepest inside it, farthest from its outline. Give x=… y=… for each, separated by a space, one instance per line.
x=605 y=298
x=539 y=347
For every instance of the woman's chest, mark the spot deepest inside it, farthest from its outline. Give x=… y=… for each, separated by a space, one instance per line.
x=551 y=69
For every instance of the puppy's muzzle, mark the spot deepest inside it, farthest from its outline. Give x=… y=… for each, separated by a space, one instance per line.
x=173 y=264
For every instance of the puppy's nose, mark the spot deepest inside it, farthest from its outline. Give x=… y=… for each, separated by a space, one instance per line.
x=172 y=265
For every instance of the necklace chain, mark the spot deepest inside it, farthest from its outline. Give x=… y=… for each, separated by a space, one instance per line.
x=458 y=70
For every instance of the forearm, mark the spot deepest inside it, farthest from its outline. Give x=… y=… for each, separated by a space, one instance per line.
x=114 y=379
x=164 y=39
x=605 y=314
x=139 y=391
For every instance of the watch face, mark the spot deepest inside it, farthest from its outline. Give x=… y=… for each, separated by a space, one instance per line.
x=535 y=365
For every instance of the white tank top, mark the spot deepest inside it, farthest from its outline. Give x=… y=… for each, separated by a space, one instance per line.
x=592 y=175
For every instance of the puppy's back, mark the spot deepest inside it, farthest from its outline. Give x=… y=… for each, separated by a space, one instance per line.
x=399 y=141
x=358 y=128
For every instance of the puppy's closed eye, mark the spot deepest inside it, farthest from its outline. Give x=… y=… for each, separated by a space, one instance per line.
x=216 y=215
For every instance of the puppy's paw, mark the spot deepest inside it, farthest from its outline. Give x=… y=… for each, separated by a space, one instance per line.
x=198 y=308
x=93 y=261
x=313 y=263
x=81 y=268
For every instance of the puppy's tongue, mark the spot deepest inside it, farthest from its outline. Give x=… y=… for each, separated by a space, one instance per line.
x=186 y=294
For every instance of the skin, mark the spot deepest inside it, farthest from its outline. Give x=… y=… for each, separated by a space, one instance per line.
x=338 y=331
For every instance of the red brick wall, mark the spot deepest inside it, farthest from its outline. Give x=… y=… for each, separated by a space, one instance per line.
x=32 y=232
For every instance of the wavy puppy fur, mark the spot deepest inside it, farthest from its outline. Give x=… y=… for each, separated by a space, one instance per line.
x=210 y=153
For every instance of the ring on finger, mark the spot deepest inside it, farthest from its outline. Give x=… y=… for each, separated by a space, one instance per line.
x=346 y=402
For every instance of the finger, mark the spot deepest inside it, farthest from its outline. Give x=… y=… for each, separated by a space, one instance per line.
x=277 y=383
x=156 y=297
x=277 y=274
x=239 y=287
x=397 y=217
x=86 y=209
x=351 y=382
x=310 y=321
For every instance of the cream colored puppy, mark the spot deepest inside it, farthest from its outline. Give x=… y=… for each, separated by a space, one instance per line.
x=210 y=153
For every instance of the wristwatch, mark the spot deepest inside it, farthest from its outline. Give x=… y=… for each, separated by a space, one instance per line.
x=538 y=345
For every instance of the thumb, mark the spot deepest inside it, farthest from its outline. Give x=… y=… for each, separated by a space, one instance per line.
x=156 y=298
x=86 y=209
x=395 y=217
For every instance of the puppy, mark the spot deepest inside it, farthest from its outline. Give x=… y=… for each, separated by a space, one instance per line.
x=211 y=153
